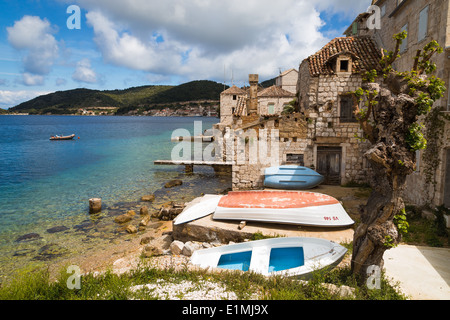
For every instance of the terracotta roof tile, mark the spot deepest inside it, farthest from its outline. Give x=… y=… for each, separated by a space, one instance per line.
x=234 y=91
x=366 y=55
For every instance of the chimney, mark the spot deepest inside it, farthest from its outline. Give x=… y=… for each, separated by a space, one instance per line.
x=252 y=107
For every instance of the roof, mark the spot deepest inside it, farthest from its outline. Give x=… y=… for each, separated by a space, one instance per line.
x=364 y=51
x=275 y=91
x=287 y=71
x=234 y=91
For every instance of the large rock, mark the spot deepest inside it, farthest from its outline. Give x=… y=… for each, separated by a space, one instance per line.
x=189 y=248
x=145 y=220
x=196 y=231
x=151 y=251
x=95 y=205
x=148 y=198
x=170 y=210
x=158 y=246
x=125 y=217
x=173 y=183
x=176 y=247
x=131 y=229
x=57 y=229
x=143 y=211
x=28 y=237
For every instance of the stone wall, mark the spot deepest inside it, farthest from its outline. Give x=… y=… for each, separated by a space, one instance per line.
x=288 y=81
x=278 y=102
x=417 y=191
x=289 y=132
x=319 y=100
x=227 y=105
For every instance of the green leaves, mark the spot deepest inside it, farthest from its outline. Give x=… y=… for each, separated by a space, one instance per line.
x=401 y=222
x=415 y=138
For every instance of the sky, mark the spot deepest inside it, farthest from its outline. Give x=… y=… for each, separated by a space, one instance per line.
x=56 y=45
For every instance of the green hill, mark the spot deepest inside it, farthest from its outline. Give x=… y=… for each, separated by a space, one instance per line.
x=121 y=101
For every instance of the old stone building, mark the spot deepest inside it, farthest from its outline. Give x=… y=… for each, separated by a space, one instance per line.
x=424 y=21
x=272 y=100
x=287 y=80
x=325 y=81
x=231 y=100
x=254 y=133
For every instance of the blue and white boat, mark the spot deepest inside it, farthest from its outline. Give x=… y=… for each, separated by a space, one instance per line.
x=291 y=257
x=291 y=177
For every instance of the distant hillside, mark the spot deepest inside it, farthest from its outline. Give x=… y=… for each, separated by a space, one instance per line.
x=173 y=96
x=120 y=101
x=3 y=111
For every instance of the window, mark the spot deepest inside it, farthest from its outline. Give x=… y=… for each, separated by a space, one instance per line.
x=383 y=10
x=295 y=159
x=355 y=28
x=271 y=108
x=344 y=65
x=346 y=112
x=423 y=24
x=404 y=45
x=234 y=97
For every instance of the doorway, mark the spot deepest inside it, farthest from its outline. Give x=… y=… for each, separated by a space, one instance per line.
x=329 y=164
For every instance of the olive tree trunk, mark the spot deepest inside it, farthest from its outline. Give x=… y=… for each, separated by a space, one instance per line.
x=391 y=161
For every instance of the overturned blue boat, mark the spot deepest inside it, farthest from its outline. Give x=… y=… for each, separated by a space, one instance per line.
x=291 y=177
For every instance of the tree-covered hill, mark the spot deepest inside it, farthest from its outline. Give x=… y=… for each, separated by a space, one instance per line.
x=145 y=97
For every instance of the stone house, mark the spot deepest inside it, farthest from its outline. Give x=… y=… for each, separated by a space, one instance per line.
x=231 y=101
x=287 y=80
x=272 y=100
x=325 y=81
x=424 y=20
x=254 y=99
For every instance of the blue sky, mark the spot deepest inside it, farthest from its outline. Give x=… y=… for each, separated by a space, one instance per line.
x=126 y=43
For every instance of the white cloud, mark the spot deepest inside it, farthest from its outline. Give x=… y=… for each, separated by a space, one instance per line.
x=35 y=36
x=196 y=39
x=30 y=79
x=84 y=72
x=10 y=99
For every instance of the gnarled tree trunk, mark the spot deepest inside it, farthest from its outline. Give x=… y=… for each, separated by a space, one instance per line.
x=391 y=162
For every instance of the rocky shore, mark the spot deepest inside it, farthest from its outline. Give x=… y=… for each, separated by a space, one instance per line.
x=147 y=238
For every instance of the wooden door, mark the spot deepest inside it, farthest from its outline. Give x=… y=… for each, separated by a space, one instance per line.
x=329 y=164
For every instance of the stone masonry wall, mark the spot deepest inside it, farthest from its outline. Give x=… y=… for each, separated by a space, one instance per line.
x=325 y=127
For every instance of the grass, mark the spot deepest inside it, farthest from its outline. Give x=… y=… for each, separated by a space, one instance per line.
x=426 y=232
x=246 y=285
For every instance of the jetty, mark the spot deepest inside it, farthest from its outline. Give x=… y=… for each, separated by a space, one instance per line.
x=193 y=139
x=220 y=167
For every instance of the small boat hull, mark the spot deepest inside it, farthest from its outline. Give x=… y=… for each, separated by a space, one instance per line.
x=291 y=177
x=57 y=138
x=292 y=257
x=287 y=207
x=206 y=206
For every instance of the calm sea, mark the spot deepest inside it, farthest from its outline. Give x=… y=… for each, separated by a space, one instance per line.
x=46 y=183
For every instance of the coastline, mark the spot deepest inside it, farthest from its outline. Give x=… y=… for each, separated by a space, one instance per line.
x=97 y=243
x=61 y=228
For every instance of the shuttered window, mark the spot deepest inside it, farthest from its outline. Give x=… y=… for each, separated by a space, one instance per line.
x=346 y=105
x=423 y=23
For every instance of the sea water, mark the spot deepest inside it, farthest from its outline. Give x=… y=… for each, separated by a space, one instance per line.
x=46 y=183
